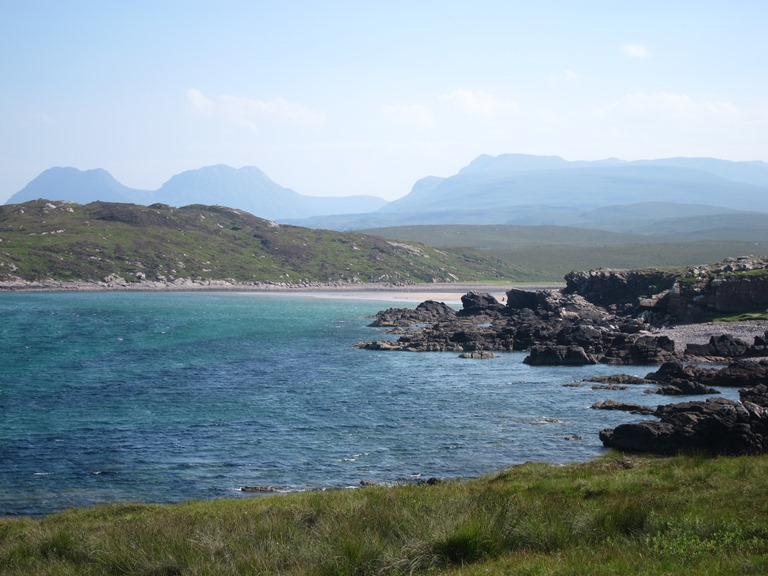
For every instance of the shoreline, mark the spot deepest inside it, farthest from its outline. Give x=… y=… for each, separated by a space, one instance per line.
x=448 y=291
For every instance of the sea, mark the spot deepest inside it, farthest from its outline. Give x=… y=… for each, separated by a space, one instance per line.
x=170 y=396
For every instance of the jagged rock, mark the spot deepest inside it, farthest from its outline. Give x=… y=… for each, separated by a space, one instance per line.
x=593 y=313
x=741 y=373
x=676 y=370
x=427 y=312
x=480 y=303
x=679 y=379
x=259 y=489
x=478 y=355
x=521 y=299
x=714 y=426
x=618 y=379
x=735 y=285
x=619 y=289
x=381 y=345
x=728 y=346
x=760 y=347
x=639 y=349
x=680 y=387
x=724 y=345
x=757 y=395
x=559 y=356
x=624 y=406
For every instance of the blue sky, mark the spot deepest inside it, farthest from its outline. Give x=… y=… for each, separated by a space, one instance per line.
x=358 y=97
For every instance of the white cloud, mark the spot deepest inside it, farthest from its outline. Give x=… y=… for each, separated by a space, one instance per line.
x=635 y=51
x=478 y=103
x=250 y=113
x=407 y=114
x=199 y=102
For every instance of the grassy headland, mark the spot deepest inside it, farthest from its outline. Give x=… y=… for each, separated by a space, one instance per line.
x=64 y=241
x=614 y=515
x=68 y=242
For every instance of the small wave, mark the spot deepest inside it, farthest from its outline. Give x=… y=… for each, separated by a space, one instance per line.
x=544 y=420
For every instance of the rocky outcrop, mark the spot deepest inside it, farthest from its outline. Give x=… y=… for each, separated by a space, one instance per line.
x=686 y=388
x=607 y=316
x=741 y=291
x=741 y=373
x=618 y=290
x=559 y=356
x=617 y=379
x=558 y=329
x=427 y=312
x=715 y=426
x=630 y=407
x=478 y=355
x=677 y=379
x=728 y=346
x=480 y=304
x=735 y=285
x=639 y=349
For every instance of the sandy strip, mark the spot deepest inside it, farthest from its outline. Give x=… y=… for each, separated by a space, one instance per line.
x=412 y=293
x=408 y=299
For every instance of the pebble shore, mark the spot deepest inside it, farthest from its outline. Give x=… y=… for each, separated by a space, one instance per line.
x=684 y=334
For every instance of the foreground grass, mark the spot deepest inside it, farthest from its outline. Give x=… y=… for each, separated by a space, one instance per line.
x=615 y=515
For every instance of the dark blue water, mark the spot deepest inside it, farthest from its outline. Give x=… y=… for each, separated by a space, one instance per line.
x=162 y=397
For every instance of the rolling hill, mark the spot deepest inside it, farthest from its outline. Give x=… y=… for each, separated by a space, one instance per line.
x=64 y=241
x=550 y=252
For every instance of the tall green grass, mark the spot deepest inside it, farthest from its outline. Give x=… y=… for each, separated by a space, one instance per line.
x=615 y=515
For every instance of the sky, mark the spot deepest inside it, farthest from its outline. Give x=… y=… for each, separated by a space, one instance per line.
x=336 y=97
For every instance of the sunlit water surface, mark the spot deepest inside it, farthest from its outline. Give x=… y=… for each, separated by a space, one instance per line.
x=163 y=397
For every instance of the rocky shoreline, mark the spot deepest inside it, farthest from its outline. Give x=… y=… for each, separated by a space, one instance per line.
x=620 y=327
x=701 y=333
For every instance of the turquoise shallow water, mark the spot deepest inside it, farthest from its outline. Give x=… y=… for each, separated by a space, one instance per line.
x=164 y=397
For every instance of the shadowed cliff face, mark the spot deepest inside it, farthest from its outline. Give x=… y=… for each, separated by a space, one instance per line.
x=737 y=294
x=618 y=288
x=734 y=286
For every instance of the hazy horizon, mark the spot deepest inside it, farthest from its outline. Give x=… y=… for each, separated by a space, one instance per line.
x=344 y=98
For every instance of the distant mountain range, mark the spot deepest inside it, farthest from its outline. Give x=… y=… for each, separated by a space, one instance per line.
x=647 y=196
x=518 y=189
x=247 y=189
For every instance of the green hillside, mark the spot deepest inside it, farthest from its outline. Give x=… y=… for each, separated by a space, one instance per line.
x=71 y=242
x=549 y=252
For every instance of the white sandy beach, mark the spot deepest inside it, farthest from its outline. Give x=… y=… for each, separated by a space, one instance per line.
x=417 y=293
x=412 y=293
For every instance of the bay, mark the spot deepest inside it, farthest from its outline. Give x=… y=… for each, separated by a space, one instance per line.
x=165 y=397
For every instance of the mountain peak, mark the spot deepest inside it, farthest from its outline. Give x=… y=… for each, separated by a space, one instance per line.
x=247 y=188
x=513 y=163
x=81 y=186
